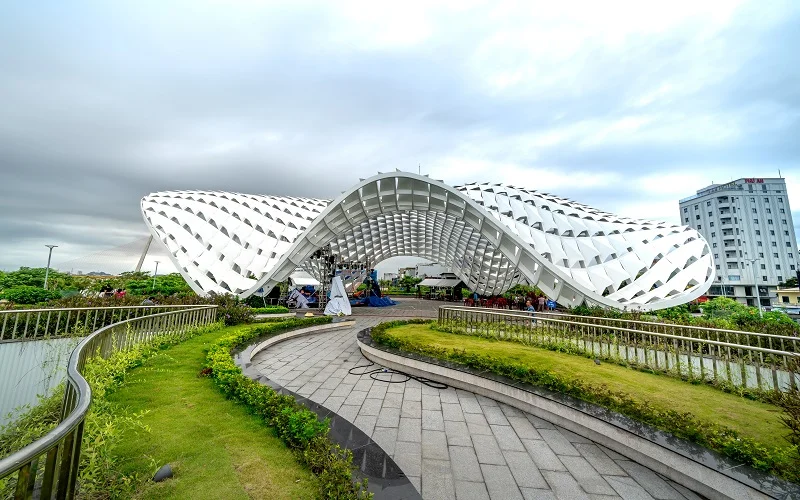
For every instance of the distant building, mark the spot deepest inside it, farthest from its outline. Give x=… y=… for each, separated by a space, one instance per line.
x=407 y=271
x=432 y=269
x=787 y=297
x=748 y=225
x=390 y=276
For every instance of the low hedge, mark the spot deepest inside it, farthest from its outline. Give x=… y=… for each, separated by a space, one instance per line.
x=295 y=424
x=782 y=462
x=270 y=310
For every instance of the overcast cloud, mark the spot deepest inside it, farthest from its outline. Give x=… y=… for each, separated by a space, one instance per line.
x=621 y=105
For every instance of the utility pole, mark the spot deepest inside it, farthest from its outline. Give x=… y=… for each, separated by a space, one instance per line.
x=47 y=271
x=154 y=276
x=758 y=291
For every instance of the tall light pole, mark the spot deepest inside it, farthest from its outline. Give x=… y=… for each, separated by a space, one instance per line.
x=154 y=276
x=758 y=292
x=47 y=271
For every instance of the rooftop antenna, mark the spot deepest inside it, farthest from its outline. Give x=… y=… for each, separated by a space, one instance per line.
x=419 y=169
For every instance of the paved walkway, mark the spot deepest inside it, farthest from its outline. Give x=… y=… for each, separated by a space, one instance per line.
x=452 y=443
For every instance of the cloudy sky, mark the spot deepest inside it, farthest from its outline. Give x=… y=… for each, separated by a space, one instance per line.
x=621 y=105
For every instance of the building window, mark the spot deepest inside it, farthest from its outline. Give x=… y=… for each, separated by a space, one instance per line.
x=755 y=221
x=789 y=244
x=764 y=187
x=769 y=222
x=791 y=266
x=781 y=210
x=752 y=200
x=714 y=245
x=758 y=232
x=763 y=278
x=696 y=217
x=785 y=299
x=699 y=227
x=717 y=267
x=783 y=221
x=696 y=206
x=713 y=235
x=763 y=266
x=786 y=233
x=778 y=191
x=708 y=203
x=687 y=220
x=766 y=200
x=791 y=255
x=755 y=211
x=711 y=224
x=772 y=232
x=716 y=256
x=750 y=187
x=760 y=255
x=774 y=244
x=758 y=243
x=780 y=279
x=709 y=214
x=780 y=200
x=775 y=255
x=777 y=267
x=769 y=210
x=685 y=209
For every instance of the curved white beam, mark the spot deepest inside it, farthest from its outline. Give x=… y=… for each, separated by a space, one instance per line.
x=492 y=236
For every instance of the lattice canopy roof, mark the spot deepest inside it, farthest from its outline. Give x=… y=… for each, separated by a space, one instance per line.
x=491 y=236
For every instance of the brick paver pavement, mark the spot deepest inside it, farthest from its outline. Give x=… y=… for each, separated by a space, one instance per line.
x=453 y=443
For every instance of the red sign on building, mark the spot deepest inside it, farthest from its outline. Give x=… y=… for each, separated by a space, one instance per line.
x=754 y=181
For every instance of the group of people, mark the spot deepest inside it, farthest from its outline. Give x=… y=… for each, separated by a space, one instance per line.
x=530 y=302
x=107 y=291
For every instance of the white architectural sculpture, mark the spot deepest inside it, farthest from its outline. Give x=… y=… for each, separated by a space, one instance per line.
x=491 y=236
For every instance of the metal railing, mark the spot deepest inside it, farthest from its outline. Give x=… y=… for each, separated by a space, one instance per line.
x=703 y=358
x=34 y=324
x=48 y=467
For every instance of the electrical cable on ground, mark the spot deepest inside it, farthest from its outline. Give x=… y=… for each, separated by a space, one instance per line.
x=375 y=374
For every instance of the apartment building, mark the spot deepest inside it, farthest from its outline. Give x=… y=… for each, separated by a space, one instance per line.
x=748 y=225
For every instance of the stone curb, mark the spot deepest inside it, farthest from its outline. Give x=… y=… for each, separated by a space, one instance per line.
x=693 y=475
x=299 y=333
x=279 y=315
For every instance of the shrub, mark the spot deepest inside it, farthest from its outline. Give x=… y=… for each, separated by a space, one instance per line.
x=28 y=295
x=270 y=310
x=789 y=401
x=296 y=425
x=231 y=309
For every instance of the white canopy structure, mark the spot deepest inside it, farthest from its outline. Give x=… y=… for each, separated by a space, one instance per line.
x=490 y=236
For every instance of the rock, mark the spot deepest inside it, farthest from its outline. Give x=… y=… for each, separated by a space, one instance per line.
x=165 y=472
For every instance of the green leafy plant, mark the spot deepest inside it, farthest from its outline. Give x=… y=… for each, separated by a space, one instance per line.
x=271 y=310
x=25 y=294
x=296 y=425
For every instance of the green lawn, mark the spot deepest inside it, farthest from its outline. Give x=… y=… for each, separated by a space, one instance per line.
x=217 y=449
x=750 y=418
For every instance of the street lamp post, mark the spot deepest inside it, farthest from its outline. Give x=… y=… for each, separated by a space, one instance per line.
x=47 y=271
x=154 y=276
x=755 y=281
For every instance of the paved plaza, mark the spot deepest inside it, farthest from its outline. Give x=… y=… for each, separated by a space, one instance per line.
x=452 y=443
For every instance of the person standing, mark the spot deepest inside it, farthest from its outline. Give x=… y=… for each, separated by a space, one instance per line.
x=542 y=301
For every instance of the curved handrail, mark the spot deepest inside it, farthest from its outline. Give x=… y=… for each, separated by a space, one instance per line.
x=634 y=321
x=712 y=358
x=77 y=400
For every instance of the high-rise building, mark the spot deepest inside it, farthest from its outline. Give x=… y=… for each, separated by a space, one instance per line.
x=748 y=225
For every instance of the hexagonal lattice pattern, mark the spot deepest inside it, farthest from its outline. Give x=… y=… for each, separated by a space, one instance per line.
x=491 y=236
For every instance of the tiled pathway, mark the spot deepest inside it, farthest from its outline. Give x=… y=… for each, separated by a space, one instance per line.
x=452 y=443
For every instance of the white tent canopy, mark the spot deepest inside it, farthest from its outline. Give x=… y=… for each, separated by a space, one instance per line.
x=339 y=304
x=440 y=282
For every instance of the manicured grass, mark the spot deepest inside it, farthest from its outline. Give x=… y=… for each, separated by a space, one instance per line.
x=757 y=420
x=217 y=449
